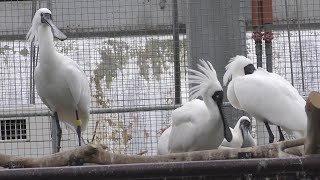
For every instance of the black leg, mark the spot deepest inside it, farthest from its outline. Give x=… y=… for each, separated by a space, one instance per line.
x=271 y=136
x=280 y=133
x=59 y=132
x=78 y=122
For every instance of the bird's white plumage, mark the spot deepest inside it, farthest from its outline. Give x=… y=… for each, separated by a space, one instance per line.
x=237 y=137
x=266 y=96
x=60 y=82
x=163 y=142
x=197 y=125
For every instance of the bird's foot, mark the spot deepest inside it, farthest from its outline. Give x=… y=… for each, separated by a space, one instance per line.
x=245 y=155
x=75 y=161
x=281 y=139
x=58 y=148
x=271 y=139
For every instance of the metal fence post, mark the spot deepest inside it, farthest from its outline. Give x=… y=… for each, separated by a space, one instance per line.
x=216 y=33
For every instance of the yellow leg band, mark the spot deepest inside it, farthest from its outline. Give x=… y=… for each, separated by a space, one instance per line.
x=78 y=122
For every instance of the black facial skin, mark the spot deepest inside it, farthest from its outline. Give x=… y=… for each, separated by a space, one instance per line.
x=249 y=69
x=218 y=98
x=244 y=127
x=47 y=18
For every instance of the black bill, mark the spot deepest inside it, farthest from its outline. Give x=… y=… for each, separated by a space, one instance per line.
x=227 y=132
x=47 y=18
x=218 y=98
x=245 y=131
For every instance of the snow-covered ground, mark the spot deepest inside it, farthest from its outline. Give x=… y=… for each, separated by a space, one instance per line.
x=138 y=72
x=124 y=73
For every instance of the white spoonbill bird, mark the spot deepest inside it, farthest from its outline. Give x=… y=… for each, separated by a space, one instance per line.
x=200 y=125
x=241 y=137
x=163 y=142
x=60 y=82
x=266 y=96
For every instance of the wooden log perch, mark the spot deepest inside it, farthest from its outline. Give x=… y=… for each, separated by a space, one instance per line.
x=312 y=144
x=98 y=155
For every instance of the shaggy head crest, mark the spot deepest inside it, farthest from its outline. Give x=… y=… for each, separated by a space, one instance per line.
x=236 y=127
x=205 y=78
x=32 y=35
x=235 y=68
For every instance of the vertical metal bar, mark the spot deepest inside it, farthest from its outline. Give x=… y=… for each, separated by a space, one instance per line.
x=268 y=35
x=54 y=134
x=176 y=51
x=289 y=41
x=242 y=24
x=49 y=4
x=268 y=49
x=54 y=130
x=32 y=60
x=300 y=45
x=257 y=35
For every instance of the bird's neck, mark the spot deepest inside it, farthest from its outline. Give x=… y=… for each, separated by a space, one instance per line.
x=46 y=45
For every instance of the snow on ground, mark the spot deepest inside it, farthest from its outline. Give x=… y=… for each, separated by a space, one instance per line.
x=138 y=72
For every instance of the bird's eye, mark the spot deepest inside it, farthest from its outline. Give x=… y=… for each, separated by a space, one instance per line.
x=41 y=14
x=249 y=69
x=218 y=96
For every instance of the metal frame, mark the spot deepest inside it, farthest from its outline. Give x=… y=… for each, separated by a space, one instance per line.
x=299 y=167
x=103 y=110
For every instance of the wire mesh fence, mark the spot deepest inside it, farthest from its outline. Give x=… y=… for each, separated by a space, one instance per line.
x=135 y=55
x=127 y=52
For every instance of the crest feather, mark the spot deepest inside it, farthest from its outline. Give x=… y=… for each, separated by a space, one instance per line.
x=32 y=35
x=204 y=77
x=235 y=67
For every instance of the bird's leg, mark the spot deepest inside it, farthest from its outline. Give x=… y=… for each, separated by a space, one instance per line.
x=59 y=131
x=73 y=160
x=271 y=136
x=78 y=123
x=281 y=134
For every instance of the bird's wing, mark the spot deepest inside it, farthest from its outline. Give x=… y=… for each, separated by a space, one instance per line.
x=39 y=86
x=186 y=123
x=267 y=97
x=232 y=96
x=163 y=142
x=291 y=92
x=189 y=112
x=77 y=82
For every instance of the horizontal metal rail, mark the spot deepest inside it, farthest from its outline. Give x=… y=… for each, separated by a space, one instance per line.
x=106 y=32
x=152 y=30
x=97 y=111
x=295 y=167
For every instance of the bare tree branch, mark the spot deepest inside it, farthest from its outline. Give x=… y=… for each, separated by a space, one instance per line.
x=312 y=144
x=98 y=155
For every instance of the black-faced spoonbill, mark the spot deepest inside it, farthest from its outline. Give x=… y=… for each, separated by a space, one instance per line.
x=266 y=96
x=200 y=125
x=164 y=141
x=241 y=137
x=60 y=82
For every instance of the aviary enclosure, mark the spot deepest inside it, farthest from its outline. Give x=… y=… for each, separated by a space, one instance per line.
x=136 y=55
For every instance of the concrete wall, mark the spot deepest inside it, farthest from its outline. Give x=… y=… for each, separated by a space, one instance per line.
x=308 y=11
x=15 y=16
x=214 y=38
x=39 y=128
